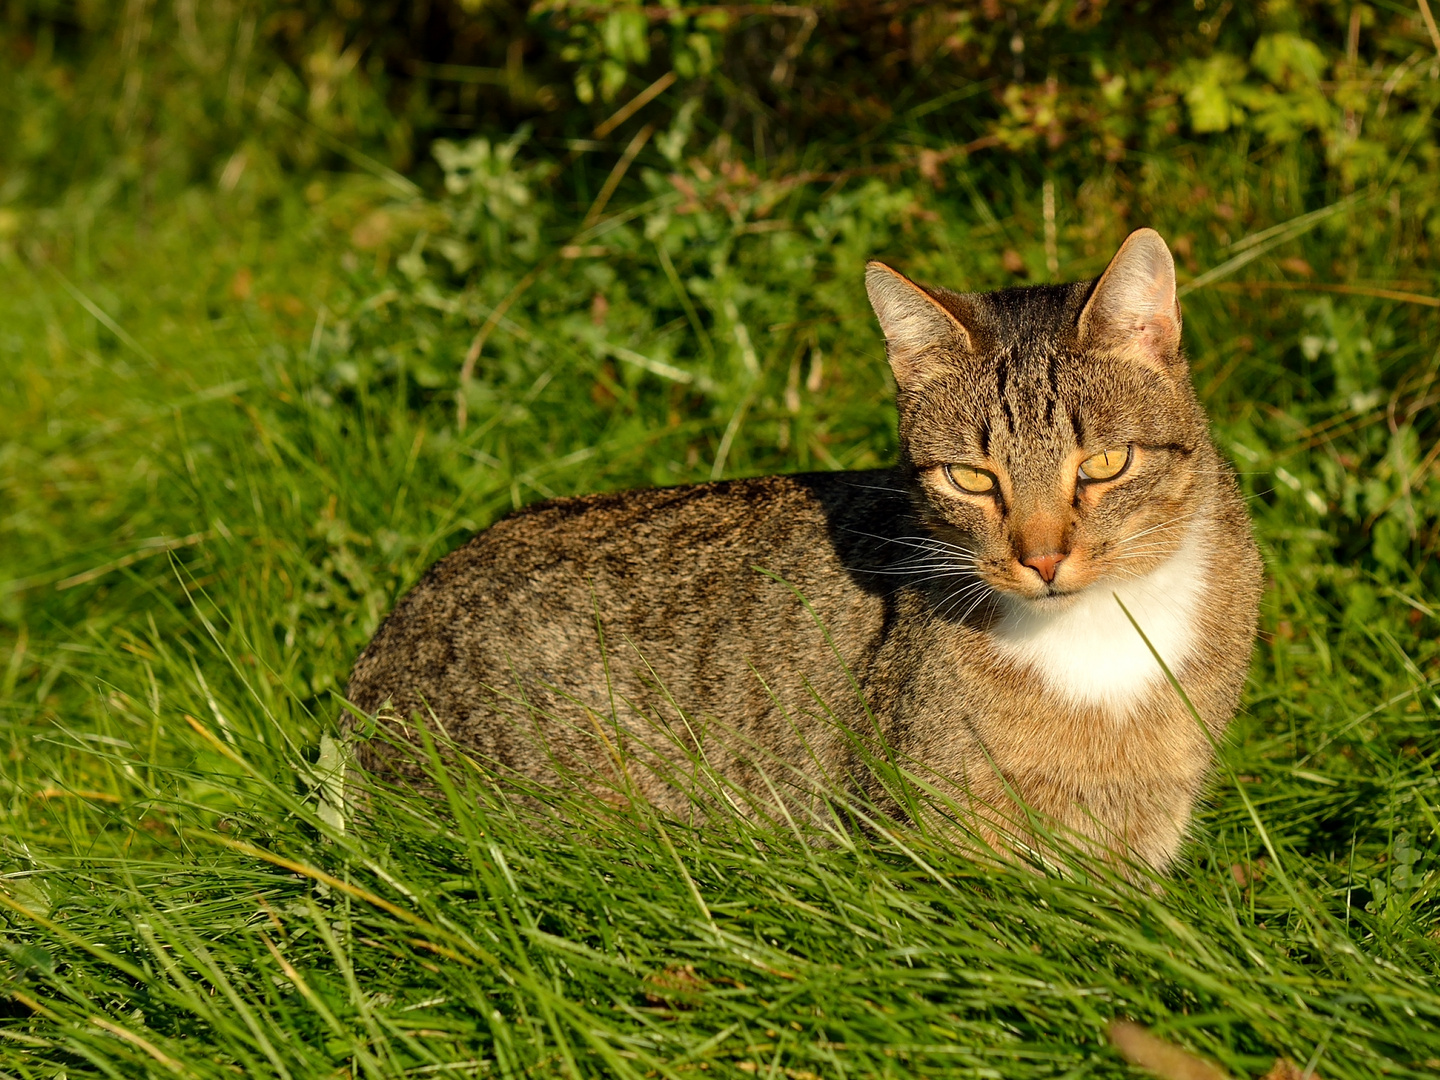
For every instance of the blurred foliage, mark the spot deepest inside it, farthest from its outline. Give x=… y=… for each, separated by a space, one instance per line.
x=158 y=94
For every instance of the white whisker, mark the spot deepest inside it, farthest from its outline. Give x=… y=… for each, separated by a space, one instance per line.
x=1166 y=524
x=953 y=601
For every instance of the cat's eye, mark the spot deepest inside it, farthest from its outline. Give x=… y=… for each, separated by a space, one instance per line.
x=972 y=481
x=1106 y=465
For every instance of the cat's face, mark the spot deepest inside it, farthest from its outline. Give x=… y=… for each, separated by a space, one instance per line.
x=1052 y=431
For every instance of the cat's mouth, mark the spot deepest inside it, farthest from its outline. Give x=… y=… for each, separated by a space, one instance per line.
x=1058 y=592
x=1038 y=598
x=1052 y=597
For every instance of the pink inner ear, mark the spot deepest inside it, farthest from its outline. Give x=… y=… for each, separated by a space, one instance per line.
x=1158 y=330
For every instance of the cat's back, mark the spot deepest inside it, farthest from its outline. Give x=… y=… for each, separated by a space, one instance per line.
x=698 y=585
x=688 y=526
x=651 y=544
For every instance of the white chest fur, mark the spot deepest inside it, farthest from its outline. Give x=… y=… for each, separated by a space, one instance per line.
x=1089 y=653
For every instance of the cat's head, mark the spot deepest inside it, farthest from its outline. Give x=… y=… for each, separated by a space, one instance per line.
x=1051 y=432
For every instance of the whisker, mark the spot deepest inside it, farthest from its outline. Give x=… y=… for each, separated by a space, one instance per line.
x=1139 y=552
x=950 y=603
x=877 y=487
x=1168 y=523
x=924 y=573
x=945 y=545
x=935 y=562
x=912 y=571
x=924 y=542
x=1158 y=544
x=972 y=607
x=928 y=554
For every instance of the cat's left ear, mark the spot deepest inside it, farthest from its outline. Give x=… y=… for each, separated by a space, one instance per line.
x=918 y=328
x=1133 y=310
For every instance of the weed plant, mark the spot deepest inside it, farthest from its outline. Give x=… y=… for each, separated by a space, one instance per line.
x=256 y=381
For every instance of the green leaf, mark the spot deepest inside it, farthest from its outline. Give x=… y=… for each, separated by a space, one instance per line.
x=1288 y=60
x=1209 y=95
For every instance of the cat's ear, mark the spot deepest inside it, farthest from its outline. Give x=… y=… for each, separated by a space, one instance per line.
x=916 y=325
x=1133 y=309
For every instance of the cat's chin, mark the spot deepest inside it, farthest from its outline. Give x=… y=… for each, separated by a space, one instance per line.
x=1043 y=603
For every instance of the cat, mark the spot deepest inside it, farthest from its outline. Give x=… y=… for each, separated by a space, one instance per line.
x=960 y=611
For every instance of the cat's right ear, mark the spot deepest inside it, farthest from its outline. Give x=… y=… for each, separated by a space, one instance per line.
x=916 y=326
x=1133 y=310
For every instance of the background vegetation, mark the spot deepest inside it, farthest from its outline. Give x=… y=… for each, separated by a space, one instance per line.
x=297 y=296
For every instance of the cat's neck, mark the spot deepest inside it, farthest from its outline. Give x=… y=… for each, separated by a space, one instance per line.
x=1089 y=653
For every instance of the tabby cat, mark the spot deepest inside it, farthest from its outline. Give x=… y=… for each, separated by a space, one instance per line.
x=960 y=611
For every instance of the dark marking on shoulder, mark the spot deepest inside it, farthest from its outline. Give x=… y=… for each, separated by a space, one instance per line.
x=1002 y=377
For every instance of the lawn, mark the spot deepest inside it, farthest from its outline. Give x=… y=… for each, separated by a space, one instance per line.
x=274 y=336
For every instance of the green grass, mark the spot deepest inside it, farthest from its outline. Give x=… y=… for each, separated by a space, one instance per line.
x=232 y=443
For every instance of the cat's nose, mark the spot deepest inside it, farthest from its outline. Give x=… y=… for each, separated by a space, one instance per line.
x=1047 y=566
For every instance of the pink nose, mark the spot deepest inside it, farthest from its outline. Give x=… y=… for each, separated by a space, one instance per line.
x=1047 y=566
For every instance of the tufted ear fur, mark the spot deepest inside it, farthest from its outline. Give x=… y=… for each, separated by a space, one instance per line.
x=916 y=325
x=1133 y=310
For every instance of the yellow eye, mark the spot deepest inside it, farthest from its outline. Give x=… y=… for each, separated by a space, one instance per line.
x=970 y=480
x=1105 y=465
